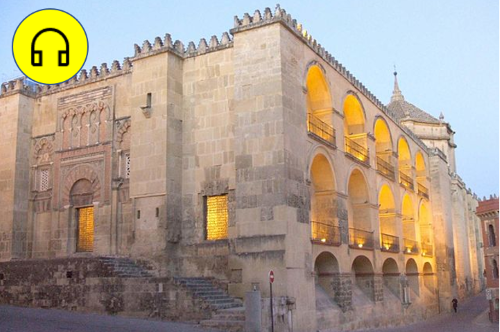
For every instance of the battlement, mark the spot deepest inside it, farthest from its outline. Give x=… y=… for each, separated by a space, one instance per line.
x=22 y=84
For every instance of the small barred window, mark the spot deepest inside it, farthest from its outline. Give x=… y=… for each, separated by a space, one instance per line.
x=127 y=165
x=217 y=217
x=44 y=180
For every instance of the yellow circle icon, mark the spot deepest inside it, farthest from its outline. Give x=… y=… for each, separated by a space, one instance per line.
x=50 y=46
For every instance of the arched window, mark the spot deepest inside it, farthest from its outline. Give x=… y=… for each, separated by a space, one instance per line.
x=491 y=236
x=495 y=269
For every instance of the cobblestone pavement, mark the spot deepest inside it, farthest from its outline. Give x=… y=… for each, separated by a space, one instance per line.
x=14 y=319
x=472 y=316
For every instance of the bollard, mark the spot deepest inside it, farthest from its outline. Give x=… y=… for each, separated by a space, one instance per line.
x=253 y=311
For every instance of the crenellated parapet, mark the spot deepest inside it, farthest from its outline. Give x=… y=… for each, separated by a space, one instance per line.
x=27 y=86
x=178 y=48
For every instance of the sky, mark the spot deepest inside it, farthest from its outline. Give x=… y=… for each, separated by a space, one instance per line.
x=446 y=52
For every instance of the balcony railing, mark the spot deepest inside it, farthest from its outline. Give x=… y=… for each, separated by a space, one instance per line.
x=361 y=239
x=357 y=151
x=410 y=247
x=320 y=129
x=406 y=180
x=325 y=233
x=423 y=191
x=389 y=243
x=385 y=168
x=427 y=250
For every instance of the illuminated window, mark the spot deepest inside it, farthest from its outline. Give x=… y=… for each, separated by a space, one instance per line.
x=127 y=165
x=44 y=179
x=216 y=217
x=85 y=229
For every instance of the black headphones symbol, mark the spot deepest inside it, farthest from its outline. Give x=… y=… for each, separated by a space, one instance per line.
x=39 y=62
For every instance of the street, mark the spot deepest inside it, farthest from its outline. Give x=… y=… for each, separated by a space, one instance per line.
x=471 y=317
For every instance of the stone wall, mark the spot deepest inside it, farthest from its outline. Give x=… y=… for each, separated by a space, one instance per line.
x=87 y=285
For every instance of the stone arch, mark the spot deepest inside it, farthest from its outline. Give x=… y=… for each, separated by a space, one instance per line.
x=494 y=268
x=358 y=211
x=326 y=268
x=412 y=275
x=123 y=135
x=405 y=163
x=387 y=219
x=354 y=114
x=79 y=172
x=81 y=193
x=420 y=164
x=383 y=136
x=425 y=225
x=318 y=96
x=409 y=226
x=324 y=222
x=428 y=277
x=391 y=276
x=363 y=274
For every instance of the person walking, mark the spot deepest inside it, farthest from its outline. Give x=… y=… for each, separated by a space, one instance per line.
x=454 y=302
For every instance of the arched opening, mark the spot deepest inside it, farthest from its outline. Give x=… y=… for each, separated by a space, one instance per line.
x=81 y=197
x=383 y=146
x=326 y=268
x=354 y=128
x=491 y=236
x=495 y=269
x=425 y=223
x=412 y=275
x=404 y=162
x=391 y=276
x=422 y=182
x=358 y=209
x=428 y=277
x=324 y=222
x=319 y=105
x=387 y=218
x=362 y=270
x=409 y=233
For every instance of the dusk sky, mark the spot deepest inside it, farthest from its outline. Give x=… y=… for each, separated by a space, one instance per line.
x=446 y=52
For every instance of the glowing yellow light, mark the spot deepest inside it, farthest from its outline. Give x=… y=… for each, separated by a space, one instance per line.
x=323 y=240
x=387 y=247
x=85 y=229
x=217 y=218
x=408 y=250
x=360 y=245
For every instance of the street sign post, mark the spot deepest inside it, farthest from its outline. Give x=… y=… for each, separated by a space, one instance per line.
x=271 y=280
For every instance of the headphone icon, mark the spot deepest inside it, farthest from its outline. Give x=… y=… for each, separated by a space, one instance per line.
x=65 y=52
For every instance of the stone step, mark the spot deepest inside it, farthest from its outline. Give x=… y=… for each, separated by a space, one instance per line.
x=224 y=325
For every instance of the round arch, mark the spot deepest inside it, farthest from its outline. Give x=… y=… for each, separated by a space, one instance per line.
x=387 y=220
x=420 y=164
x=412 y=275
x=404 y=152
x=318 y=99
x=358 y=208
x=354 y=115
x=383 y=138
x=79 y=172
x=363 y=274
x=409 y=226
x=326 y=268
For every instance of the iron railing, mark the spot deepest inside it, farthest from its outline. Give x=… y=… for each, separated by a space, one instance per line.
x=359 y=238
x=410 y=246
x=320 y=129
x=406 y=180
x=427 y=250
x=325 y=233
x=423 y=191
x=357 y=151
x=385 y=168
x=389 y=243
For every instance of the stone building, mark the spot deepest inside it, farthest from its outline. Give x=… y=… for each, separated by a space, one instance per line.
x=230 y=158
x=487 y=210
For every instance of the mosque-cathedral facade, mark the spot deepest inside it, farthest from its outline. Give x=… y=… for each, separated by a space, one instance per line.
x=226 y=160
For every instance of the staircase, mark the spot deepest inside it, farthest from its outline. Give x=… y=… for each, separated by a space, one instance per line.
x=124 y=267
x=229 y=313
x=229 y=320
